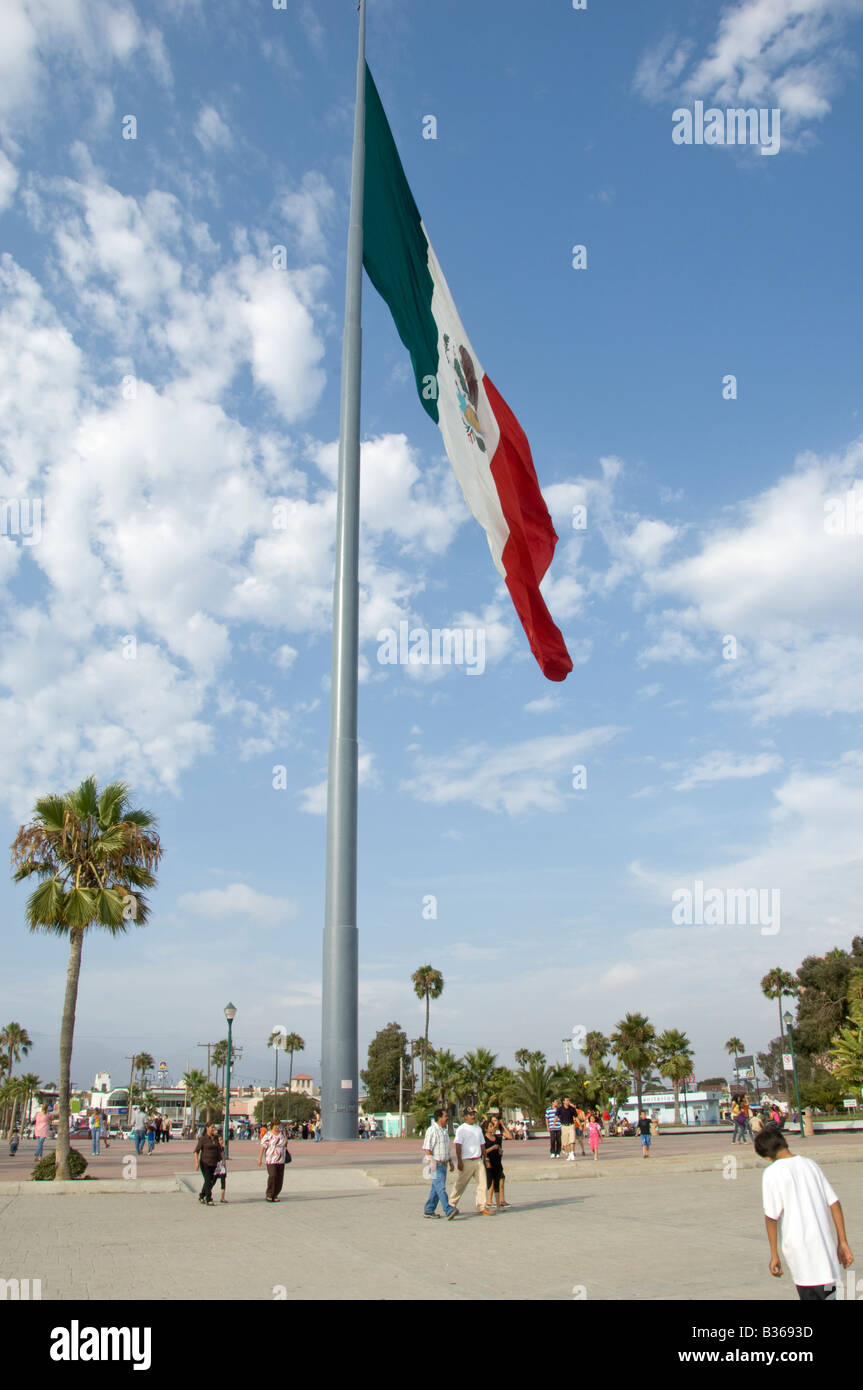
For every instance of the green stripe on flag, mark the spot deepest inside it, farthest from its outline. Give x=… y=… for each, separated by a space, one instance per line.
x=395 y=249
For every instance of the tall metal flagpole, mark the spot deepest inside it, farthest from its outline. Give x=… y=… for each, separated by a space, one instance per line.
x=339 y=1078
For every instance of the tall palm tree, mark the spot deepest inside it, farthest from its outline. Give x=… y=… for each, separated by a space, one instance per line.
x=219 y=1059
x=143 y=1062
x=193 y=1081
x=596 y=1046
x=293 y=1043
x=633 y=1043
x=478 y=1069
x=32 y=1083
x=674 y=1056
x=94 y=855
x=209 y=1097
x=776 y=984
x=734 y=1047
x=17 y=1043
x=428 y=984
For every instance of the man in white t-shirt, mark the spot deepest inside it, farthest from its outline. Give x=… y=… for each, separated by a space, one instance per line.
x=801 y=1206
x=470 y=1161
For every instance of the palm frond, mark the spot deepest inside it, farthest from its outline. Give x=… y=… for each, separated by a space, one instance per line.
x=51 y=812
x=111 y=803
x=46 y=907
x=80 y=907
x=84 y=800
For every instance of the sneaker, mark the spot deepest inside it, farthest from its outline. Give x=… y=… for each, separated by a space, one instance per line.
x=570 y=1158
x=453 y=1211
x=431 y=1215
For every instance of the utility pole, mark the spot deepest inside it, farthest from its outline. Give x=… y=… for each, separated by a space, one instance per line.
x=208 y=1046
x=401 y=1087
x=129 y=1094
x=567 y=1044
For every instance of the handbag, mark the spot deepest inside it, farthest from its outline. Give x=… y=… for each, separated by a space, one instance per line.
x=220 y=1171
x=288 y=1158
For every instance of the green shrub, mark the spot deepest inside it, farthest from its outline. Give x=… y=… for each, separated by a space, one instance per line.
x=44 y=1170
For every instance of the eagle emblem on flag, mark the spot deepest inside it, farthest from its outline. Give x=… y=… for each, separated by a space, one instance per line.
x=467 y=390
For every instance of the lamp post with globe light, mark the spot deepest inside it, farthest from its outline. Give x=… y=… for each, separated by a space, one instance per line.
x=788 y=1020
x=230 y=1015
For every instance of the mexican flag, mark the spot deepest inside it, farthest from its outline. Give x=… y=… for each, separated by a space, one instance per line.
x=484 y=442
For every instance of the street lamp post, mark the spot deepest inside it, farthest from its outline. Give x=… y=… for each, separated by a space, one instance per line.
x=788 y=1022
x=230 y=1015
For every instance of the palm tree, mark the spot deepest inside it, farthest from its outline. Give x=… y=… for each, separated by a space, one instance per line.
x=675 y=1061
x=734 y=1047
x=447 y=1074
x=193 y=1081
x=143 y=1062
x=634 y=1044
x=524 y=1058
x=94 y=855
x=776 y=984
x=31 y=1084
x=209 y=1097
x=17 y=1042
x=219 y=1059
x=428 y=984
x=293 y=1043
x=534 y=1087
x=596 y=1046
x=478 y=1068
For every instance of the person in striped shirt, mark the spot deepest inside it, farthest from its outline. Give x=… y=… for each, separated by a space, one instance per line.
x=552 y=1124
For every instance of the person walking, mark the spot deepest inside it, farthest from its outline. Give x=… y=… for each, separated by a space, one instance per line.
x=274 y=1149
x=42 y=1129
x=437 y=1151
x=580 y=1127
x=495 y=1131
x=594 y=1135
x=95 y=1130
x=151 y=1135
x=470 y=1155
x=566 y=1115
x=139 y=1131
x=801 y=1207
x=643 y=1127
x=552 y=1124
x=221 y=1175
x=208 y=1154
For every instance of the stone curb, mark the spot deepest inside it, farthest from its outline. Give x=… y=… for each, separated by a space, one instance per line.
x=98 y=1187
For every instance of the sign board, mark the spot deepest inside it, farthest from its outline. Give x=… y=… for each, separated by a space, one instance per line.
x=163 y=1066
x=787 y=1061
x=850 y=1104
x=745 y=1063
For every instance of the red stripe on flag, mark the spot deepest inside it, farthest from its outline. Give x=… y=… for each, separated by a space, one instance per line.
x=532 y=538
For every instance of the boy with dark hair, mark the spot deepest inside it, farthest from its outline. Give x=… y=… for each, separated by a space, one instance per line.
x=796 y=1192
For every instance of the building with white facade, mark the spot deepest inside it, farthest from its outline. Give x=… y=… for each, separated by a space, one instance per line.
x=696 y=1107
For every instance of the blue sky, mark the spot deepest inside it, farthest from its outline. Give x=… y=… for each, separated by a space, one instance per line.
x=164 y=388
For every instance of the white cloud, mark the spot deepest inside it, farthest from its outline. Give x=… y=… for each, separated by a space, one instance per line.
x=8 y=181
x=720 y=766
x=308 y=211
x=543 y=705
x=239 y=903
x=211 y=131
x=785 y=584
x=529 y=776
x=766 y=53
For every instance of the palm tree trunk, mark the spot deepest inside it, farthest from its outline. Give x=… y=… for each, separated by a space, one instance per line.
x=290 y=1084
x=638 y=1089
x=676 y=1085
x=67 y=1030
x=786 y=1085
x=426 y=1041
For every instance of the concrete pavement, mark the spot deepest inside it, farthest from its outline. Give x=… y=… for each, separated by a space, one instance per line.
x=668 y=1228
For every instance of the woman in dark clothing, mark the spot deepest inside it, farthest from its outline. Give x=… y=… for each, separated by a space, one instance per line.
x=208 y=1153
x=494 y=1132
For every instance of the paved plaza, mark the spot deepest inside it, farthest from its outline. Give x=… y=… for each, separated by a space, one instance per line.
x=684 y=1225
